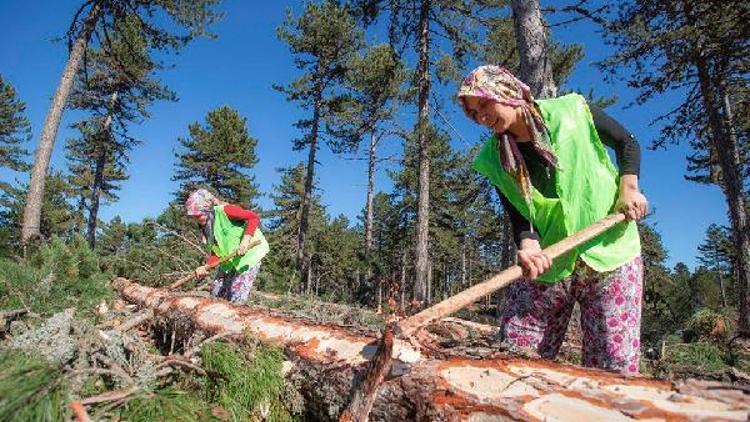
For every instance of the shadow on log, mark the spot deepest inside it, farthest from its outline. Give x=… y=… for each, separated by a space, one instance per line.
x=326 y=359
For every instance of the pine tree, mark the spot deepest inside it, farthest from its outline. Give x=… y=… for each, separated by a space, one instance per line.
x=58 y=217
x=322 y=38
x=285 y=224
x=660 y=304
x=14 y=130
x=453 y=24
x=700 y=47
x=501 y=48
x=95 y=172
x=535 y=58
x=373 y=82
x=117 y=86
x=219 y=156
x=97 y=19
x=336 y=264
x=717 y=254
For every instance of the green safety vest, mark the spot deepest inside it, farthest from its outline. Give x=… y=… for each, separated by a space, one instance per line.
x=227 y=237
x=586 y=183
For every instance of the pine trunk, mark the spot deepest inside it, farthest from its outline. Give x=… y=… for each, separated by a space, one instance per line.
x=370 y=194
x=402 y=287
x=717 y=106
x=463 y=260
x=303 y=261
x=531 y=42
x=34 y=197
x=104 y=139
x=423 y=207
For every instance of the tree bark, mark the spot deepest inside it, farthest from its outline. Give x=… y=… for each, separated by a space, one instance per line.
x=402 y=287
x=429 y=282
x=716 y=104
x=463 y=260
x=34 y=197
x=104 y=138
x=533 y=52
x=303 y=261
x=326 y=361
x=423 y=207
x=370 y=193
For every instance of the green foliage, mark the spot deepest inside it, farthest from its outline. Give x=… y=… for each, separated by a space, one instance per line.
x=31 y=389
x=279 y=267
x=153 y=252
x=14 y=130
x=247 y=382
x=322 y=39
x=117 y=87
x=695 y=357
x=58 y=218
x=60 y=275
x=500 y=49
x=322 y=312
x=166 y=404
x=707 y=324
x=373 y=83
x=218 y=156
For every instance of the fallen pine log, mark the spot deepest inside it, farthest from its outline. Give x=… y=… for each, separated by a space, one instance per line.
x=327 y=359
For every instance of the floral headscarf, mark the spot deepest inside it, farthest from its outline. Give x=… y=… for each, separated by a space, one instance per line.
x=199 y=202
x=497 y=84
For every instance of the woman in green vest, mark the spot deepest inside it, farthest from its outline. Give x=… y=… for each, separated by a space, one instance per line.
x=547 y=160
x=228 y=228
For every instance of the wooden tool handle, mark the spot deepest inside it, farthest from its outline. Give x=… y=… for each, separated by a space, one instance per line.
x=455 y=303
x=229 y=257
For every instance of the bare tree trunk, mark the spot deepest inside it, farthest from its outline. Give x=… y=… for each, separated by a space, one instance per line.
x=423 y=208
x=101 y=160
x=380 y=296
x=716 y=104
x=463 y=261
x=723 y=291
x=104 y=139
x=370 y=193
x=531 y=42
x=302 y=261
x=34 y=197
x=309 y=278
x=403 y=279
x=429 y=282
x=369 y=212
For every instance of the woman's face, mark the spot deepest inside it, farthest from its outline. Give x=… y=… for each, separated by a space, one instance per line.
x=490 y=113
x=202 y=219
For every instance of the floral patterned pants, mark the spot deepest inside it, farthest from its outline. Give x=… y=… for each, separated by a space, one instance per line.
x=536 y=315
x=233 y=286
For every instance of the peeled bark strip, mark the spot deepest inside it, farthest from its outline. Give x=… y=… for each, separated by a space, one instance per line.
x=327 y=359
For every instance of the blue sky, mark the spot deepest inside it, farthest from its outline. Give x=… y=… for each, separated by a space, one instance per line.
x=238 y=69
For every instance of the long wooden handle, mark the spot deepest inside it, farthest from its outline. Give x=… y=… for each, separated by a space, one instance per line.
x=459 y=301
x=229 y=257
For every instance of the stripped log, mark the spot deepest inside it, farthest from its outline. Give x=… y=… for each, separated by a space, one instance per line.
x=327 y=359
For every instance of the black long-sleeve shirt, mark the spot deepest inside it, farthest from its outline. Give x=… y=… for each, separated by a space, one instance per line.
x=611 y=133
